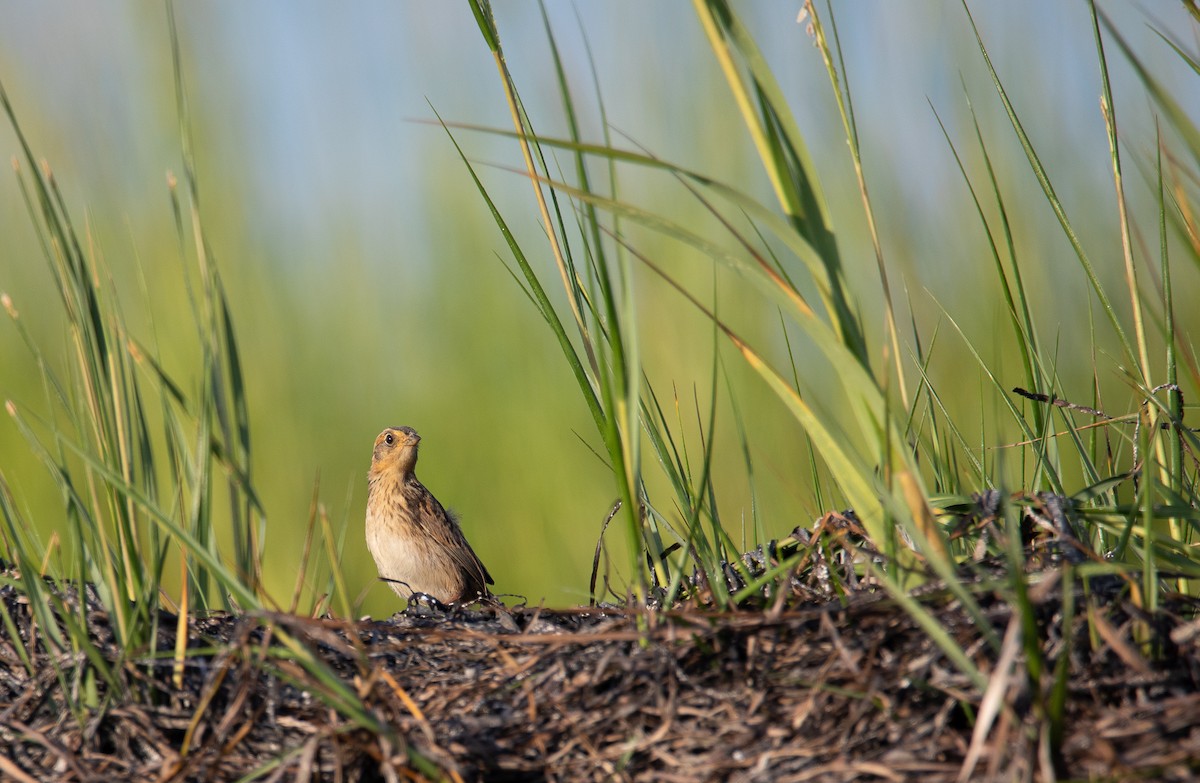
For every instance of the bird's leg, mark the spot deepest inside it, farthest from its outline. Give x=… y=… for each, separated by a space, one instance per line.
x=393 y=582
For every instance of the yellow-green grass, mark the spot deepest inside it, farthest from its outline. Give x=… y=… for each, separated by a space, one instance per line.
x=343 y=338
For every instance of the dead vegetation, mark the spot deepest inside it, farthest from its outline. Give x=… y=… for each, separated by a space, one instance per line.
x=850 y=690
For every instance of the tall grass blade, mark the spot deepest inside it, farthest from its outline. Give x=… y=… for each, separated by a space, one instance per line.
x=1043 y=179
x=784 y=156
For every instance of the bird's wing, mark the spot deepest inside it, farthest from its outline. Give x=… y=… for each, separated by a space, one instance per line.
x=475 y=574
x=466 y=558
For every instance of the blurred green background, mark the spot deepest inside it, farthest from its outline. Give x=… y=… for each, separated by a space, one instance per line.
x=366 y=275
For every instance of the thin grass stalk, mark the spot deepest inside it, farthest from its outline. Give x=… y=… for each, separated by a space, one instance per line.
x=760 y=533
x=1175 y=465
x=845 y=105
x=487 y=25
x=17 y=550
x=539 y=296
x=590 y=220
x=689 y=495
x=1056 y=206
x=126 y=518
x=223 y=373
x=79 y=290
x=864 y=396
x=1131 y=281
x=181 y=622
x=1091 y=472
x=613 y=360
x=1108 y=110
x=1175 y=112
x=1176 y=406
x=781 y=228
x=852 y=474
x=912 y=433
x=333 y=551
x=1016 y=304
x=722 y=547
x=621 y=375
x=785 y=160
x=1056 y=700
x=306 y=550
x=199 y=474
x=1147 y=492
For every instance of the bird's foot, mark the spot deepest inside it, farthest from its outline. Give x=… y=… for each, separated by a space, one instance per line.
x=424 y=604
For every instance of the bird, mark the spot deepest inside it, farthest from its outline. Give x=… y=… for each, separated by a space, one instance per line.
x=418 y=546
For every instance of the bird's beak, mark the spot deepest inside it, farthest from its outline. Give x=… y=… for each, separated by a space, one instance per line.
x=413 y=439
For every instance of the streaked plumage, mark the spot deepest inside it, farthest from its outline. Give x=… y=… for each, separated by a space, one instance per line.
x=417 y=545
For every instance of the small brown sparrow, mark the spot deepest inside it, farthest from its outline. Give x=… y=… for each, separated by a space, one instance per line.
x=417 y=545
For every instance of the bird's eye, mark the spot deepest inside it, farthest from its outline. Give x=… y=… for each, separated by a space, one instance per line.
x=389 y=439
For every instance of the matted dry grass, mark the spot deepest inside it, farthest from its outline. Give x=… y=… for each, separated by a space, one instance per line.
x=823 y=693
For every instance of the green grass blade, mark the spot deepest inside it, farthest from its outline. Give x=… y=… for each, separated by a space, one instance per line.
x=1043 y=179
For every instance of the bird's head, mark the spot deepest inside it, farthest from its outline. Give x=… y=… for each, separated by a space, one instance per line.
x=395 y=451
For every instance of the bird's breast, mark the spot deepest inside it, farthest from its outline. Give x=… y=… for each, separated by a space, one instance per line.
x=408 y=552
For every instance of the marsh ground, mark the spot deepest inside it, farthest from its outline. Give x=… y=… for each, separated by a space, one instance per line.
x=850 y=690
